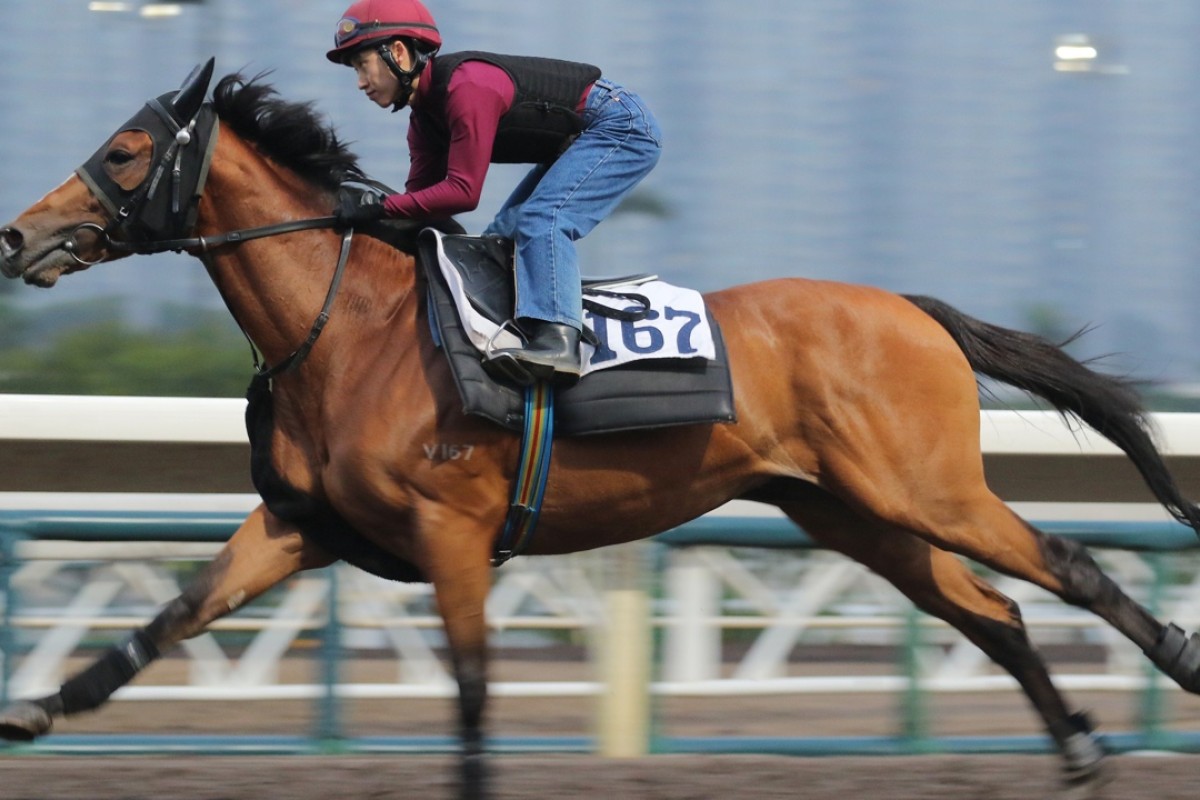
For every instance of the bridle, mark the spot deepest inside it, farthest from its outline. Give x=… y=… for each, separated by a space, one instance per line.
x=159 y=214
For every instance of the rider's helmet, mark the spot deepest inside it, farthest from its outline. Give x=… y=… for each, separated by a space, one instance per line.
x=373 y=22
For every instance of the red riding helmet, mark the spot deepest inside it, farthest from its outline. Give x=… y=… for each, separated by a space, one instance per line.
x=368 y=22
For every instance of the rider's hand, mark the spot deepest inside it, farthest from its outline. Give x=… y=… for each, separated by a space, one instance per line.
x=355 y=208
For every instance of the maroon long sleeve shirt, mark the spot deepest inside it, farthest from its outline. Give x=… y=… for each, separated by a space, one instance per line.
x=443 y=181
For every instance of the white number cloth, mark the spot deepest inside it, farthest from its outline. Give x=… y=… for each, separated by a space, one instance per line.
x=676 y=325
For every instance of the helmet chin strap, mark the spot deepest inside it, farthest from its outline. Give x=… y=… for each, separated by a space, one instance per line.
x=406 y=77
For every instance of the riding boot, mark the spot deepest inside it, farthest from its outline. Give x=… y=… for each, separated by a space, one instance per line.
x=550 y=354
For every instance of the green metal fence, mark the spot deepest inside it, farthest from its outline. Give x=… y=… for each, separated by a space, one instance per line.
x=1155 y=541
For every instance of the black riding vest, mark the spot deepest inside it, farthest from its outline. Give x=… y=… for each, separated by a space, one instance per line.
x=542 y=121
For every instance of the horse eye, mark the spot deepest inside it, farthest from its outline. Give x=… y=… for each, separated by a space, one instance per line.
x=118 y=157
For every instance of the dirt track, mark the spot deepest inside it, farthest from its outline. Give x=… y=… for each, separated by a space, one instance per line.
x=674 y=777
x=665 y=777
x=654 y=778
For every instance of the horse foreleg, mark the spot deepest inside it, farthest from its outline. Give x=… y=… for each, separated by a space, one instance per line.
x=261 y=553
x=941 y=585
x=459 y=566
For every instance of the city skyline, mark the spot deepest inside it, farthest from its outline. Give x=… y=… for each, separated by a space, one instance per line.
x=924 y=147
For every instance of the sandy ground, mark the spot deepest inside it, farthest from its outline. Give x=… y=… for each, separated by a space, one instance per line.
x=652 y=778
x=656 y=777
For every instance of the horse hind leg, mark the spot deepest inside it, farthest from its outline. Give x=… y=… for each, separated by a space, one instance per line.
x=1084 y=584
x=948 y=504
x=940 y=584
x=262 y=552
x=961 y=515
x=997 y=537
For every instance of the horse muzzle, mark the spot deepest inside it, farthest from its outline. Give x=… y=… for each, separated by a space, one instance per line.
x=12 y=242
x=83 y=246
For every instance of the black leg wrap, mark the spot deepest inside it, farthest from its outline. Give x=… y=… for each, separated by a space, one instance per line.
x=473 y=769
x=475 y=777
x=90 y=688
x=1178 y=656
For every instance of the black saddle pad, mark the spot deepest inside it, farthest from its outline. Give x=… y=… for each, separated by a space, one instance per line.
x=644 y=394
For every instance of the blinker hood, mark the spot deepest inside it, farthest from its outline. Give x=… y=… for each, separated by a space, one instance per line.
x=183 y=130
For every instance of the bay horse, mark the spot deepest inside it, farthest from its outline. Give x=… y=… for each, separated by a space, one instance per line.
x=857 y=416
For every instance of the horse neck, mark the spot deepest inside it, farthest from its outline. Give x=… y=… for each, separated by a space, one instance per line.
x=276 y=286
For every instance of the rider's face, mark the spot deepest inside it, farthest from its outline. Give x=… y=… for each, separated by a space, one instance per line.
x=374 y=77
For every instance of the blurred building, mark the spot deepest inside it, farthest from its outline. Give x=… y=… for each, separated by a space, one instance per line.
x=927 y=146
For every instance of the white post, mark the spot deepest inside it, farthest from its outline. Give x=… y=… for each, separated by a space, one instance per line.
x=692 y=650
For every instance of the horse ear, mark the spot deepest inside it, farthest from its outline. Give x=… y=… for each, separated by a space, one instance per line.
x=191 y=94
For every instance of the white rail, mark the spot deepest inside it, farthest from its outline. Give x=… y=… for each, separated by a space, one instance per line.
x=708 y=591
x=221 y=421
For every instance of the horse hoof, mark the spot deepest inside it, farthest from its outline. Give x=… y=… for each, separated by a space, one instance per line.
x=474 y=774
x=1087 y=784
x=24 y=722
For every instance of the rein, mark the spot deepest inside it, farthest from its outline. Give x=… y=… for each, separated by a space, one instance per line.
x=205 y=243
x=261 y=371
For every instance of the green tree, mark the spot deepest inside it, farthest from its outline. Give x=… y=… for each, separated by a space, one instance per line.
x=201 y=356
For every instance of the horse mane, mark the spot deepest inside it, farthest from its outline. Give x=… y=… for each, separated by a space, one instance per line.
x=293 y=134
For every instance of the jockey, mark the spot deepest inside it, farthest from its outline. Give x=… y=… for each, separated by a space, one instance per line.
x=591 y=141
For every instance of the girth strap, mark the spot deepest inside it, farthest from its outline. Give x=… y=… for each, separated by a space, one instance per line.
x=532 y=470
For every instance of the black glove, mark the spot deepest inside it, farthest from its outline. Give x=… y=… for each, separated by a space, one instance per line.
x=356 y=207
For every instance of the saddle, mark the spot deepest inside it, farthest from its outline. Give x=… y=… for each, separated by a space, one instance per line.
x=641 y=394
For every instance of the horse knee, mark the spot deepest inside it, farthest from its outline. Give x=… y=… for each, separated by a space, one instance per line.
x=184 y=617
x=179 y=620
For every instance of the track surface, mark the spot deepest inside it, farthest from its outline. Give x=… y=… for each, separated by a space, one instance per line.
x=576 y=777
x=655 y=778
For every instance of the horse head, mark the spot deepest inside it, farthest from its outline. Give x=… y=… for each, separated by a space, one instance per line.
x=140 y=187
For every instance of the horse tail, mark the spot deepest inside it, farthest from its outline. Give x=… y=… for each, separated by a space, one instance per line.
x=1108 y=404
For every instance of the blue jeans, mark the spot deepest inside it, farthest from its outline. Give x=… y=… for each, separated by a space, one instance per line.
x=557 y=204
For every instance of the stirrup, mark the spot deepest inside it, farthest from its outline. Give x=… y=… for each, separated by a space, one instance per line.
x=508 y=367
x=505 y=365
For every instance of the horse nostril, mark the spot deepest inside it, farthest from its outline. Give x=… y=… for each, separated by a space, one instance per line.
x=11 y=242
